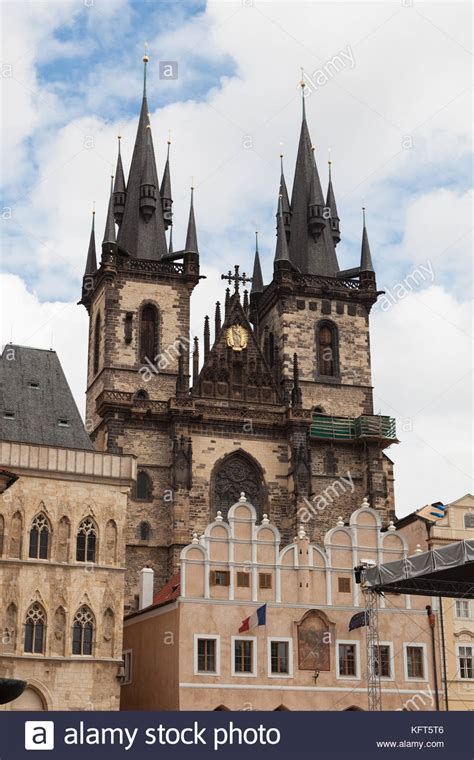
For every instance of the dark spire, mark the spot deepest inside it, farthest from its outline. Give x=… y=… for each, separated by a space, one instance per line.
x=311 y=244
x=285 y=200
x=257 y=279
x=170 y=245
x=191 y=236
x=207 y=337
x=91 y=263
x=195 y=362
x=296 y=390
x=217 y=320
x=109 y=233
x=165 y=192
x=281 y=252
x=331 y=205
x=365 y=256
x=246 y=304
x=227 y=300
x=119 y=188
x=142 y=231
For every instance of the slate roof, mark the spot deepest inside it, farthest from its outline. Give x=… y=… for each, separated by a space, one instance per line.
x=34 y=390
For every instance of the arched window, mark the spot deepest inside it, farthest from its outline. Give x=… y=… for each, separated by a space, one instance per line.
x=327 y=349
x=16 y=535
x=144 y=531
x=141 y=395
x=143 y=487
x=148 y=333
x=233 y=474
x=35 y=625
x=83 y=631
x=86 y=541
x=97 y=344
x=39 y=537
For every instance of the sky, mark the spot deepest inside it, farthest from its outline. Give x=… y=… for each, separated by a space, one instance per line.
x=388 y=98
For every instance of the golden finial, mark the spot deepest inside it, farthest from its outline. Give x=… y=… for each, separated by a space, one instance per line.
x=93 y=207
x=145 y=56
x=192 y=183
x=302 y=82
x=329 y=157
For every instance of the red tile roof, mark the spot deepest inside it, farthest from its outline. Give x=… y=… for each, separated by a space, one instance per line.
x=169 y=592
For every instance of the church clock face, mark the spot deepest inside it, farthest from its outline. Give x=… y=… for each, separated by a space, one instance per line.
x=237 y=337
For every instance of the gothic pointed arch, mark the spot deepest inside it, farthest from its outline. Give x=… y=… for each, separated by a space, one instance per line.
x=16 y=535
x=40 y=537
x=233 y=474
x=148 y=332
x=327 y=349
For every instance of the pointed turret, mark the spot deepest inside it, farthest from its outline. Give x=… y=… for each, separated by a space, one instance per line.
x=285 y=201
x=281 y=251
x=191 y=236
x=296 y=390
x=142 y=230
x=217 y=320
x=331 y=205
x=109 y=232
x=91 y=265
x=257 y=279
x=311 y=244
x=120 y=190
x=165 y=192
x=365 y=255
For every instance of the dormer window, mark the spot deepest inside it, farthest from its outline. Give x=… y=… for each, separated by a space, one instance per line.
x=63 y=422
x=8 y=415
x=34 y=385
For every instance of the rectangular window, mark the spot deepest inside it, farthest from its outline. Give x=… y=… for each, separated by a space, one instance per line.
x=466 y=662
x=347 y=660
x=220 y=578
x=415 y=662
x=243 y=580
x=206 y=655
x=382 y=661
x=279 y=657
x=265 y=580
x=469 y=520
x=8 y=415
x=63 y=422
x=462 y=609
x=344 y=585
x=243 y=656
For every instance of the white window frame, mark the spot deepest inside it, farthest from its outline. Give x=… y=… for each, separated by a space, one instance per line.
x=254 y=673
x=420 y=645
x=357 y=659
x=391 y=677
x=458 y=663
x=287 y=640
x=217 y=639
x=128 y=680
x=462 y=617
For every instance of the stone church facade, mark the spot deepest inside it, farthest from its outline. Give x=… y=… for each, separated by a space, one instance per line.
x=275 y=399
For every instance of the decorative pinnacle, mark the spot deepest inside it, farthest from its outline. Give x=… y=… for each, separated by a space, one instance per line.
x=119 y=138
x=256 y=241
x=145 y=61
x=363 y=214
x=145 y=56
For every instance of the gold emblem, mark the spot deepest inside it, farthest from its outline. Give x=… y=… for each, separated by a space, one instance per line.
x=237 y=337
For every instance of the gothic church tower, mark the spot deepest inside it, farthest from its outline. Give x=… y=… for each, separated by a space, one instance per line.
x=277 y=402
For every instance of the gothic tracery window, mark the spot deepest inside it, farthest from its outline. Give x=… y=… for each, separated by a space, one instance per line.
x=39 y=537
x=83 y=631
x=234 y=474
x=35 y=625
x=148 y=333
x=327 y=349
x=86 y=541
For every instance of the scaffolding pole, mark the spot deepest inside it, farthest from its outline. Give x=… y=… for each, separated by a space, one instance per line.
x=374 y=695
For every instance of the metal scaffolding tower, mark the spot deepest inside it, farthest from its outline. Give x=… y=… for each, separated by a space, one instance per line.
x=374 y=694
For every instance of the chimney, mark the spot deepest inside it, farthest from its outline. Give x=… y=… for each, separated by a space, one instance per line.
x=145 y=592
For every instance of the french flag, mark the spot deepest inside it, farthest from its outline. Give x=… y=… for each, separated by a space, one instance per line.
x=258 y=618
